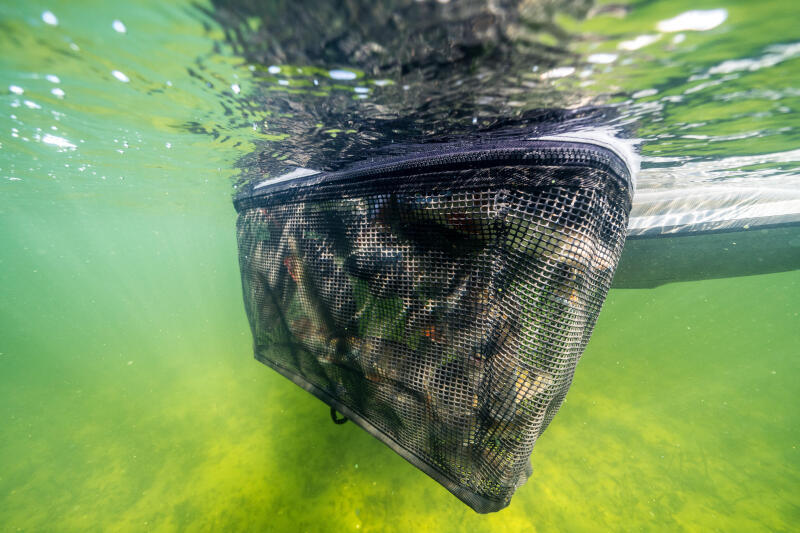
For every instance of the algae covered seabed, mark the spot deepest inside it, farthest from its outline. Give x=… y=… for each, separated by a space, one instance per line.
x=129 y=397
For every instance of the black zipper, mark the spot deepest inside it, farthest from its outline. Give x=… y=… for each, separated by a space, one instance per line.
x=525 y=153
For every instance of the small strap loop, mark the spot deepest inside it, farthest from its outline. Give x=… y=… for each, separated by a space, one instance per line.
x=337 y=420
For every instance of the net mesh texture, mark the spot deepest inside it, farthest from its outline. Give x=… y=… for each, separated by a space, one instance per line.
x=442 y=306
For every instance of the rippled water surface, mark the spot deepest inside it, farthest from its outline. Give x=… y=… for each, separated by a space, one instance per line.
x=129 y=398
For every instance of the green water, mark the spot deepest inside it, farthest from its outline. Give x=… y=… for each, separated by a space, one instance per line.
x=129 y=397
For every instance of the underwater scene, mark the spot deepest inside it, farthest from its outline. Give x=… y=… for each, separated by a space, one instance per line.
x=130 y=399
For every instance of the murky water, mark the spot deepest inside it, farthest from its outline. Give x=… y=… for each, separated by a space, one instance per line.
x=128 y=393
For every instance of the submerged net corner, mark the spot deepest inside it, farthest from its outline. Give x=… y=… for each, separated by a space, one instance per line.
x=442 y=311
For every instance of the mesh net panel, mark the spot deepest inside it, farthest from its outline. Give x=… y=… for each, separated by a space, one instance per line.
x=443 y=311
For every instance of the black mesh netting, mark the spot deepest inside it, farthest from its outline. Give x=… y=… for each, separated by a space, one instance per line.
x=441 y=301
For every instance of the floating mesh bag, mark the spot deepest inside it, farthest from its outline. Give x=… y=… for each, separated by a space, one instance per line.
x=442 y=300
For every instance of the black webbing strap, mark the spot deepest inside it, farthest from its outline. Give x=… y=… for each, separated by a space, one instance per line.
x=335 y=419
